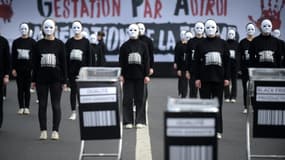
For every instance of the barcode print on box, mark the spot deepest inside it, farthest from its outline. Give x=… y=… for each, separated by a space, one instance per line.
x=99 y=118
x=271 y=117
x=195 y=152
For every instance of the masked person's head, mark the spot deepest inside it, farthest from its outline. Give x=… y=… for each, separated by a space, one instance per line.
x=231 y=34
x=94 y=39
x=188 y=35
x=141 y=29
x=211 y=28
x=276 y=33
x=77 y=27
x=266 y=27
x=24 y=29
x=48 y=27
x=133 y=31
x=199 y=28
x=183 y=35
x=250 y=29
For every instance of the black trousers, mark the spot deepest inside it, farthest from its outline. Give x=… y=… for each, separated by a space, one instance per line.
x=23 y=81
x=1 y=103
x=55 y=90
x=4 y=94
x=231 y=93
x=133 y=94
x=73 y=93
x=245 y=79
x=211 y=90
x=192 y=88
x=182 y=85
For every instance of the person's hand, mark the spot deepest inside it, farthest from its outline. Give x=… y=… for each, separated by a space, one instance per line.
x=175 y=66
x=151 y=71
x=6 y=79
x=14 y=73
x=122 y=79
x=64 y=87
x=198 y=83
x=179 y=73
x=188 y=76
x=226 y=82
x=146 y=80
x=33 y=85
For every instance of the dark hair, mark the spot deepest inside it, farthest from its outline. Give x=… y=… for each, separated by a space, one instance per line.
x=248 y=24
x=101 y=33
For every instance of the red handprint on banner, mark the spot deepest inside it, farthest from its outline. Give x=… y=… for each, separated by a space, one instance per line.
x=271 y=12
x=6 y=11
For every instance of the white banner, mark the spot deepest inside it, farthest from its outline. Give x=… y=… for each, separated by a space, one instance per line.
x=163 y=18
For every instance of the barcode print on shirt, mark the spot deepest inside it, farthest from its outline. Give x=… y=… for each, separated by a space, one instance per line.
x=99 y=118
x=195 y=152
x=271 y=117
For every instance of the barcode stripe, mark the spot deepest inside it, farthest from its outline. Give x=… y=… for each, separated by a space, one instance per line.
x=195 y=152
x=99 y=118
x=271 y=117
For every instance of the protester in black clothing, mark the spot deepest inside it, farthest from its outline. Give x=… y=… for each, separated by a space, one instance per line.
x=231 y=90
x=100 y=37
x=49 y=75
x=265 y=50
x=96 y=51
x=212 y=68
x=22 y=67
x=134 y=61
x=276 y=33
x=180 y=52
x=4 y=70
x=245 y=62
x=78 y=55
x=191 y=47
x=149 y=44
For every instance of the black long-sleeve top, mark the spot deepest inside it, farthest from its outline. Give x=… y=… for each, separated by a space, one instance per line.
x=212 y=60
x=4 y=57
x=265 y=51
x=97 y=55
x=103 y=47
x=234 y=53
x=243 y=49
x=22 y=54
x=191 y=47
x=180 y=52
x=134 y=59
x=149 y=44
x=282 y=44
x=49 y=62
x=78 y=55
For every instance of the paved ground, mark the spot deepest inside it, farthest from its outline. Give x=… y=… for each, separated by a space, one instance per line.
x=19 y=134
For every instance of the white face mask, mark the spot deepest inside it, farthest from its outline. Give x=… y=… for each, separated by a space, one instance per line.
x=250 y=29
x=141 y=28
x=211 y=28
x=49 y=27
x=77 y=27
x=183 y=35
x=188 y=36
x=231 y=34
x=84 y=34
x=199 y=28
x=94 y=39
x=133 y=31
x=24 y=29
x=276 y=33
x=266 y=26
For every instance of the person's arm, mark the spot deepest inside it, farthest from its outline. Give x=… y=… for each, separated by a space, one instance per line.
x=63 y=63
